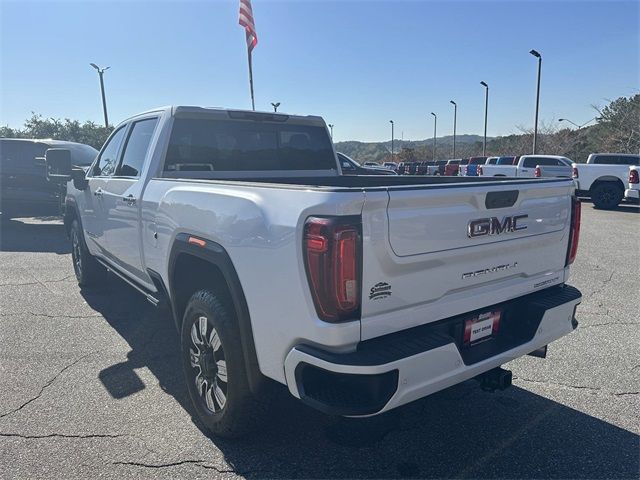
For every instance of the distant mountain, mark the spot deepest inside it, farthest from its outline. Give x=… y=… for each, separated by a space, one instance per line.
x=379 y=151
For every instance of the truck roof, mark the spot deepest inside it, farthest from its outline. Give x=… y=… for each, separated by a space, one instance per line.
x=180 y=110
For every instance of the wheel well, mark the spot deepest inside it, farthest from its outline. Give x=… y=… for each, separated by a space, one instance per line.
x=602 y=180
x=190 y=274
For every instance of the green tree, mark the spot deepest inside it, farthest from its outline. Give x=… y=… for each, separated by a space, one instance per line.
x=37 y=126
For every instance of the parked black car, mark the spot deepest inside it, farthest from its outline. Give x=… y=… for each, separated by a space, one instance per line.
x=24 y=188
x=351 y=167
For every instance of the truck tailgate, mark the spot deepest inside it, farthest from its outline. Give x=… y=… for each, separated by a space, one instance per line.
x=458 y=248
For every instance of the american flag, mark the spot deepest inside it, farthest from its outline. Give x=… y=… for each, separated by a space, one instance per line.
x=246 y=20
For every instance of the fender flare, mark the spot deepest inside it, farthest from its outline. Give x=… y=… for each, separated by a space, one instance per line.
x=214 y=254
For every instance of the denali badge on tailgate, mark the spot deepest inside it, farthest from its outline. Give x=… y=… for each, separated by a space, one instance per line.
x=493 y=226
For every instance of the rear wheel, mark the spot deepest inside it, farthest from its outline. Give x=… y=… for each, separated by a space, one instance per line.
x=87 y=269
x=214 y=368
x=606 y=195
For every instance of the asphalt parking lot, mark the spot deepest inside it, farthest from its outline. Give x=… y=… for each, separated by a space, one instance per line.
x=90 y=386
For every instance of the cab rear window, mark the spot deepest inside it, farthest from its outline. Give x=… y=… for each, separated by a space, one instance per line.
x=214 y=145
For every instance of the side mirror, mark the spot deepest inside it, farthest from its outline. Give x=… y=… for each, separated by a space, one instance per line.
x=58 y=161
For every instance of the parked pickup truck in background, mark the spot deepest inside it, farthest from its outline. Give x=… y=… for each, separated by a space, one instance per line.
x=603 y=178
x=633 y=192
x=351 y=167
x=525 y=167
x=357 y=293
x=471 y=168
x=24 y=189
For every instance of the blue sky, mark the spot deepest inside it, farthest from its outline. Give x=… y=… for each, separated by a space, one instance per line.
x=356 y=63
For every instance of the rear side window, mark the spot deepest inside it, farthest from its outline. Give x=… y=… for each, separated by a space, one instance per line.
x=108 y=160
x=135 y=150
x=617 y=159
x=628 y=160
x=208 y=145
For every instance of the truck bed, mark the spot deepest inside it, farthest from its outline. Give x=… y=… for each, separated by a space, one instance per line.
x=368 y=181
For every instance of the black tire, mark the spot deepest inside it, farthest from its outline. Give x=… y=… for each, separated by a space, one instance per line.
x=222 y=399
x=87 y=269
x=606 y=195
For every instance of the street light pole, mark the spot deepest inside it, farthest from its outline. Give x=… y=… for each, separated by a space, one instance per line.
x=455 y=115
x=535 y=127
x=573 y=123
x=275 y=106
x=104 y=101
x=435 y=123
x=331 y=128
x=486 y=108
x=391 y=122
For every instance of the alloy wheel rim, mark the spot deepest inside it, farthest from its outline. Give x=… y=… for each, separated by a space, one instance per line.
x=209 y=365
x=77 y=261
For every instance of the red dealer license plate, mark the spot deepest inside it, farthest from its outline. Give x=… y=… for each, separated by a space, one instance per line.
x=481 y=327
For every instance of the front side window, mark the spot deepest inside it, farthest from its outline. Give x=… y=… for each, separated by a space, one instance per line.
x=135 y=151
x=108 y=159
x=208 y=145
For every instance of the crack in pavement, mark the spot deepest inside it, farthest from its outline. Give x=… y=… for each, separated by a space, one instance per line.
x=47 y=385
x=577 y=387
x=199 y=463
x=62 y=435
x=48 y=315
x=608 y=323
x=37 y=282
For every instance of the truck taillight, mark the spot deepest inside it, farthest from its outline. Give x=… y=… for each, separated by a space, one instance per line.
x=575 y=172
x=537 y=172
x=633 y=176
x=332 y=251
x=574 y=232
x=479 y=170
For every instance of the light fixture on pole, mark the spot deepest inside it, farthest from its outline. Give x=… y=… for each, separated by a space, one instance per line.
x=331 y=128
x=455 y=115
x=535 y=126
x=486 y=108
x=104 y=101
x=275 y=106
x=435 y=123
x=573 y=123
x=391 y=122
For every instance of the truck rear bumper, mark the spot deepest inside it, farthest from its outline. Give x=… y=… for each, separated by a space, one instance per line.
x=632 y=194
x=389 y=371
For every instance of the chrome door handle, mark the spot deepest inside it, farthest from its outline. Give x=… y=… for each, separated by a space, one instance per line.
x=98 y=192
x=129 y=200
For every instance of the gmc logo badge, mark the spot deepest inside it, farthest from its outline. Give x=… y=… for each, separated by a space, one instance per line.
x=494 y=226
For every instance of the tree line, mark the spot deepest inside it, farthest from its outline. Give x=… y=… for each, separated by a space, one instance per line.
x=616 y=130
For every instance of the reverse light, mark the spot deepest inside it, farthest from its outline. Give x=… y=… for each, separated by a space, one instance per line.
x=332 y=251
x=575 y=172
x=574 y=231
x=537 y=172
x=633 y=177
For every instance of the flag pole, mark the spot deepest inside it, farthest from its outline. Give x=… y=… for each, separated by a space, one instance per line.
x=253 y=103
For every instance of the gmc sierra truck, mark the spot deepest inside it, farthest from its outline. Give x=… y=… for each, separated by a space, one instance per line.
x=357 y=293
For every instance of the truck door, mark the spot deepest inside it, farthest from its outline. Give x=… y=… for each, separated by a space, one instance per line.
x=121 y=199
x=92 y=199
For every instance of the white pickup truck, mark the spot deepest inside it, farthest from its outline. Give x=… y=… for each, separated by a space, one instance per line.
x=357 y=293
x=553 y=165
x=603 y=177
